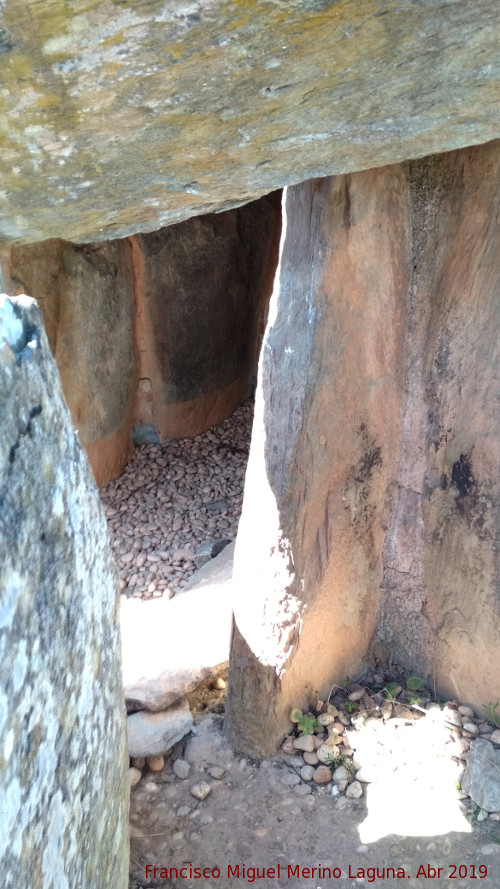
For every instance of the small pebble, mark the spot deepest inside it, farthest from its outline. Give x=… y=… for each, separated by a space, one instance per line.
x=182 y=811
x=134 y=776
x=307 y=773
x=181 y=768
x=495 y=736
x=219 y=683
x=304 y=742
x=151 y=787
x=287 y=746
x=322 y=775
x=356 y=694
x=465 y=711
x=354 y=790
x=201 y=790
x=138 y=761
x=155 y=763
x=326 y=753
x=310 y=759
x=217 y=772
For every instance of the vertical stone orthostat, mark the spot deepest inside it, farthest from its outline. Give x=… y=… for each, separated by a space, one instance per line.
x=370 y=523
x=324 y=451
x=64 y=800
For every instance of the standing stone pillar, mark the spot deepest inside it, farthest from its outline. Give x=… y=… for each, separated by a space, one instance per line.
x=64 y=794
x=324 y=453
x=440 y=607
x=370 y=523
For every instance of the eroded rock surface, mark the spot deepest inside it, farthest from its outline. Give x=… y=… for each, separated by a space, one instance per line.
x=375 y=451
x=64 y=803
x=86 y=295
x=121 y=117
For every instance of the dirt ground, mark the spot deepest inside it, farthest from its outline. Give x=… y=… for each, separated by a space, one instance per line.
x=259 y=826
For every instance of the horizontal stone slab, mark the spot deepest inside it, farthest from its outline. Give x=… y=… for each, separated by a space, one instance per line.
x=170 y=646
x=151 y=734
x=119 y=117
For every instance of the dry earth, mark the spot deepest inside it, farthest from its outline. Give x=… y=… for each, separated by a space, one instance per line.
x=261 y=815
x=260 y=823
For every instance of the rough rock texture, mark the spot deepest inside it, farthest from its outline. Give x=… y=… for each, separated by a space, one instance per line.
x=324 y=452
x=150 y=734
x=64 y=800
x=202 y=292
x=170 y=646
x=218 y=571
x=87 y=298
x=481 y=779
x=440 y=608
x=375 y=451
x=119 y=117
x=160 y=331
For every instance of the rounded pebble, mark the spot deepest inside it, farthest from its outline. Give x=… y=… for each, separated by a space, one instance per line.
x=181 y=768
x=217 y=772
x=305 y=743
x=134 y=776
x=322 y=775
x=307 y=773
x=201 y=790
x=354 y=790
x=465 y=711
x=310 y=759
x=155 y=763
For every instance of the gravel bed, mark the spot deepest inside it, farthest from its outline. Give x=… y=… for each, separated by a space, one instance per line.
x=173 y=498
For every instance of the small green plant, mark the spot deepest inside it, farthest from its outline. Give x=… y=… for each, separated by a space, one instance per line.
x=350 y=706
x=414 y=702
x=338 y=760
x=389 y=691
x=472 y=817
x=332 y=758
x=491 y=712
x=307 y=724
x=414 y=683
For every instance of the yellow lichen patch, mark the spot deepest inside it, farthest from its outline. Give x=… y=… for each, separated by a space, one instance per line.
x=16 y=67
x=48 y=101
x=114 y=39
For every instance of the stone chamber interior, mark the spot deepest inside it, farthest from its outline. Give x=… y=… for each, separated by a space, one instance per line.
x=157 y=338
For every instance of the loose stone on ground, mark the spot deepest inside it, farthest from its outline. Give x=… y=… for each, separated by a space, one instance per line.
x=176 y=506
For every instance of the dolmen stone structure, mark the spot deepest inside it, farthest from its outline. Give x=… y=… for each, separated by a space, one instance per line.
x=370 y=526
x=63 y=779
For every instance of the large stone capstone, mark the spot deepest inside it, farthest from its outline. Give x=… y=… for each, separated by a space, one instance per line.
x=118 y=117
x=64 y=794
x=372 y=499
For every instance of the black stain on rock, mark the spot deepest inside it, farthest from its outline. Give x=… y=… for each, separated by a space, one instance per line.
x=461 y=475
x=371 y=458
